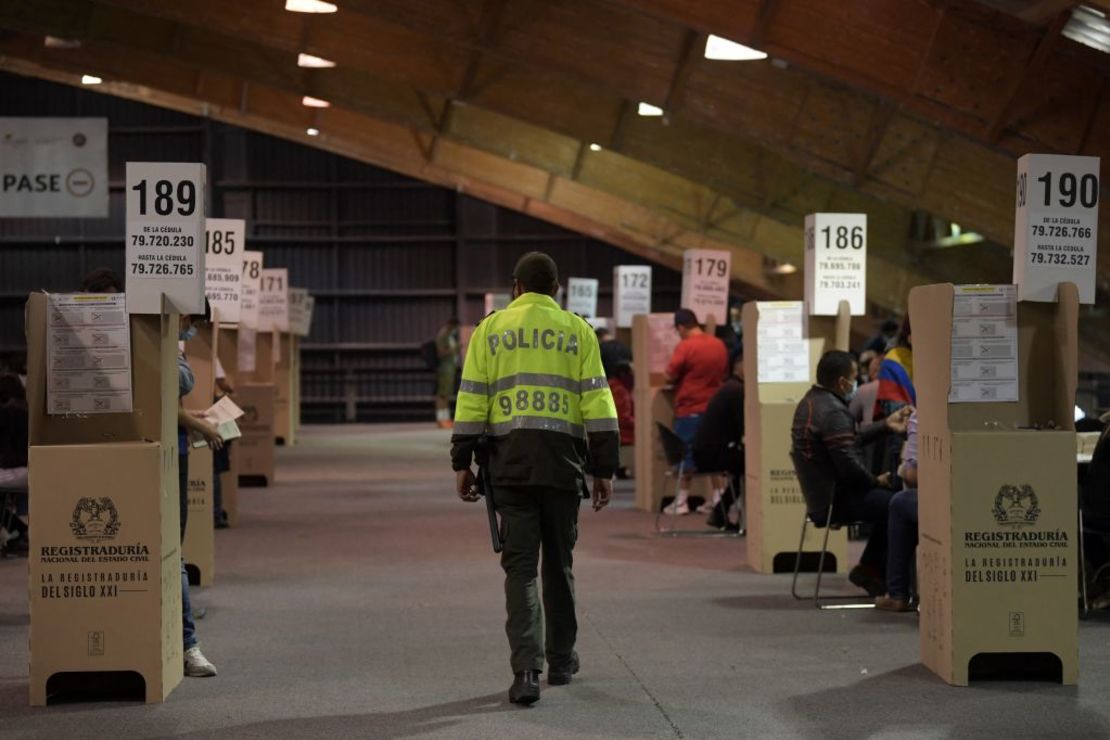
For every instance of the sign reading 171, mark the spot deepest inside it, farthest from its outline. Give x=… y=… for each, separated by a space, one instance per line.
x=1056 y=225
x=164 y=234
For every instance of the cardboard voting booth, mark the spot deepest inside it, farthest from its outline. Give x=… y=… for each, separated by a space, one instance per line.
x=780 y=359
x=227 y=349
x=105 y=565
x=997 y=550
x=286 y=370
x=199 y=547
x=256 y=447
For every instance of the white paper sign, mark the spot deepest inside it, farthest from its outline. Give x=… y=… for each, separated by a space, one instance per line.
x=297 y=298
x=582 y=296
x=249 y=287
x=496 y=302
x=984 y=344
x=705 y=277
x=223 y=249
x=165 y=236
x=248 y=349
x=273 y=300
x=836 y=263
x=54 y=167
x=306 y=315
x=1056 y=226
x=88 y=354
x=781 y=346
x=631 y=292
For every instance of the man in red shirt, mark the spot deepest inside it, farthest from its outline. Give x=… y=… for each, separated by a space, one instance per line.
x=697 y=369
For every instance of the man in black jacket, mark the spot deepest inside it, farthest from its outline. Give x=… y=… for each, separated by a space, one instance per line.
x=719 y=442
x=828 y=461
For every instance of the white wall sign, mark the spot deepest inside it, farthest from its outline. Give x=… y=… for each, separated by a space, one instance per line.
x=54 y=167
x=705 y=277
x=88 y=354
x=249 y=287
x=781 y=346
x=1056 y=225
x=582 y=296
x=165 y=236
x=631 y=292
x=223 y=261
x=273 y=300
x=836 y=263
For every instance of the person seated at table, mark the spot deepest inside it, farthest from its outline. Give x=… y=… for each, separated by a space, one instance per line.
x=719 y=441
x=828 y=462
x=902 y=530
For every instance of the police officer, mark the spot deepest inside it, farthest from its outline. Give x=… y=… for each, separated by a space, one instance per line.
x=533 y=383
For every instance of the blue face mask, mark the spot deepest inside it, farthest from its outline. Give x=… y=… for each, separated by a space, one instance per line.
x=188 y=334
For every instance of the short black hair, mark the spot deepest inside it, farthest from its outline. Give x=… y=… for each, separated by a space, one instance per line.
x=834 y=365
x=102 y=280
x=890 y=326
x=537 y=273
x=601 y=332
x=685 y=317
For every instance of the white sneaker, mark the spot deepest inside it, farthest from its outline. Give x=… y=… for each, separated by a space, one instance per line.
x=678 y=509
x=196 y=665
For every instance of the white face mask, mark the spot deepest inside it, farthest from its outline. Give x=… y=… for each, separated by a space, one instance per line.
x=852 y=393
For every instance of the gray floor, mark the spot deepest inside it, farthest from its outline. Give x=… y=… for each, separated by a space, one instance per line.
x=358 y=598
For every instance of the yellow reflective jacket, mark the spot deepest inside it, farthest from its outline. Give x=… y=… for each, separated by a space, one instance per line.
x=533 y=384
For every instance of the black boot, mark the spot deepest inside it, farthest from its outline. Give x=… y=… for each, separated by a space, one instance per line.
x=525 y=688
x=562 y=675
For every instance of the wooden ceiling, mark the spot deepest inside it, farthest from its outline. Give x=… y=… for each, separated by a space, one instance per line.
x=889 y=107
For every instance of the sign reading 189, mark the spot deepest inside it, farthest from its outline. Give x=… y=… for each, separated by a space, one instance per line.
x=164 y=197
x=1069 y=189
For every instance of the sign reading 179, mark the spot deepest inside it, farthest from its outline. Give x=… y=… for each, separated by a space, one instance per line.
x=167 y=197
x=707 y=266
x=1069 y=189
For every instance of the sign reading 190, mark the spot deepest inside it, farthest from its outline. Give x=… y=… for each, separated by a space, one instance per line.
x=1070 y=189
x=164 y=200
x=843 y=237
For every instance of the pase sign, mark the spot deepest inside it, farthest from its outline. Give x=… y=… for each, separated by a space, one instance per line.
x=54 y=167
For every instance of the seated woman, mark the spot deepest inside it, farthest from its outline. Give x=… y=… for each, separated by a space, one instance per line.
x=902 y=531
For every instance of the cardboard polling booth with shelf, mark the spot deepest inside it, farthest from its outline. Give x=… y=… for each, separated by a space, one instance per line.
x=105 y=566
x=199 y=547
x=780 y=359
x=997 y=551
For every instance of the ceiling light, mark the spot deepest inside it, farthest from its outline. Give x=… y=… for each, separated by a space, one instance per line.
x=310 y=6
x=724 y=50
x=314 y=62
x=1089 y=27
x=312 y=131
x=90 y=80
x=647 y=109
x=312 y=102
x=785 y=269
x=56 y=42
x=595 y=147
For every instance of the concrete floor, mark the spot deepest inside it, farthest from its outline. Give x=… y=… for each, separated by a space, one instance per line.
x=359 y=598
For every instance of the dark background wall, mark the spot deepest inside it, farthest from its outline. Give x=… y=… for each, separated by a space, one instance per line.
x=388 y=258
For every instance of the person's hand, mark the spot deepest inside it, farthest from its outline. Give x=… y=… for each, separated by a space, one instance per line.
x=602 y=493
x=196 y=414
x=884 y=480
x=898 y=421
x=466 y=485
x=211 y=435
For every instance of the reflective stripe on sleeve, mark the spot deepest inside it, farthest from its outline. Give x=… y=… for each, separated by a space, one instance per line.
x=543 y=423
x=474 y=386
x=469 y=427
x=592 y=384
x=545 y=380
x=602 y=425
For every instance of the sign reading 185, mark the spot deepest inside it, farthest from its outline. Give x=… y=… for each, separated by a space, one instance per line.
x=168 y=198
x=219 y=241
x=1070 y=189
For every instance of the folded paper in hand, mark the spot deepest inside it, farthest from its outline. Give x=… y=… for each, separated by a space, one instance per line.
x=221 y=415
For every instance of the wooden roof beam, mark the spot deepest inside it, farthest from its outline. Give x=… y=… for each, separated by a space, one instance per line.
x=1035 y=62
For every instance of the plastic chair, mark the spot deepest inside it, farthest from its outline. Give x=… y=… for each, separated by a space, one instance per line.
x=674 y=450
x=829 y=526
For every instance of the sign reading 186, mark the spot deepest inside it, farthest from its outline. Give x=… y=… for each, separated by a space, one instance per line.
x=836 y=262
x=1056 y=228
x=165 y=227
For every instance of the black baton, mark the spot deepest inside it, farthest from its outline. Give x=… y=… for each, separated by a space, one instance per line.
x=484 y=488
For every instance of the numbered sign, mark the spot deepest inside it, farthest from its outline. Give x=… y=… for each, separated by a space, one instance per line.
x=631 y=292
x=306 y=315
x=1056 y=227
x=165 y=236
x=223 y=265
x=582 y=296
x=836 y=263
x=705 y=277
x=273 y=300
x=250 y=284
x=298 y=302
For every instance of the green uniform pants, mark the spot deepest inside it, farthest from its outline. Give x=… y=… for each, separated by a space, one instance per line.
x=534 y=518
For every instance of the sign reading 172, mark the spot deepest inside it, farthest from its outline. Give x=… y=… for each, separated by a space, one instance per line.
x=1069 y=189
